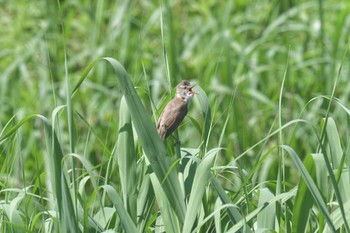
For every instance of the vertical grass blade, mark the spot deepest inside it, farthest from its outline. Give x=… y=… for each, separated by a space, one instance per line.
x=200 y=181
x=145 y=200
x=337 y=154
x=168 y=216
x=266 y=218
x=303 y=200
x=127 y=222
x=205 y=106
x=127 y=159
x=68 y=218
x=311 y=186
x=171 y=60
x=325 y=127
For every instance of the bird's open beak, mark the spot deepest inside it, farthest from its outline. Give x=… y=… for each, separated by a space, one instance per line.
x=190 y=89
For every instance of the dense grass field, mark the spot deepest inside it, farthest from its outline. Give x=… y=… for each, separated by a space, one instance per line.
x=265 y=146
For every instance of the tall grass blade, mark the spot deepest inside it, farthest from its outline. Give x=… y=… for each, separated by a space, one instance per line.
x=66 y=209
x=329 y=168
x=127 y=158
x=168 y=216
x=266 y=218
x=281 y=176
x=311 y=185
x=127 y=222
x=198 y=187
x=336 y=156
x=145 y=200
x=303 y=200
x=206 y=111
x=171 y=42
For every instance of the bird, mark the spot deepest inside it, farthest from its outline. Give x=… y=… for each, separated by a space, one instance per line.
x=176 y=110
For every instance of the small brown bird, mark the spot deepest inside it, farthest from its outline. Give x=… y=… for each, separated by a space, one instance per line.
x=176 y=110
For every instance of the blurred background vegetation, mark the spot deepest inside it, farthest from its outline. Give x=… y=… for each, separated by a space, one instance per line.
x=239 y=52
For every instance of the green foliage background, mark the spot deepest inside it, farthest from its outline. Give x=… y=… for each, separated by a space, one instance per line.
x=77 y=156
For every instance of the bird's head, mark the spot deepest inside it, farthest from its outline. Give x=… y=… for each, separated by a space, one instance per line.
x=184 y=90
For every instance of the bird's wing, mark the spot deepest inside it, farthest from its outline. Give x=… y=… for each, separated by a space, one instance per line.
x=161 y=128
x=171 y=117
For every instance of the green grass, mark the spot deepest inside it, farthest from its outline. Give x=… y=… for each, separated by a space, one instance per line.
x=264 y=148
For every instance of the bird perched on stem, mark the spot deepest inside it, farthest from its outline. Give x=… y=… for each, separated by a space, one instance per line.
x=176 y=110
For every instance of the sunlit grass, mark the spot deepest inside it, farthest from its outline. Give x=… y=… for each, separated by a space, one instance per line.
x=264 y=146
